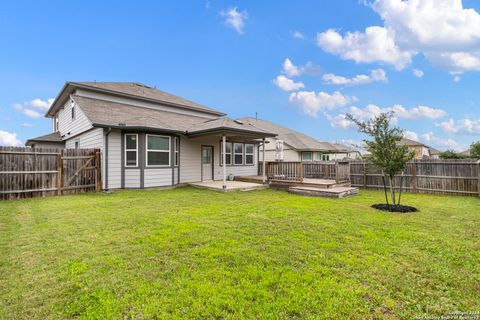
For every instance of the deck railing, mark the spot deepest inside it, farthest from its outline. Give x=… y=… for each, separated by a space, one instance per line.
x=297 y=171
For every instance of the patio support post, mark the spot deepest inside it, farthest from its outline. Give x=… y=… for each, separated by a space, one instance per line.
x=263 y=162
x=224 y=149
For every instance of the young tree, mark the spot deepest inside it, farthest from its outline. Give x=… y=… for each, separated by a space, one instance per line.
x=385 y=152
x=475 y=150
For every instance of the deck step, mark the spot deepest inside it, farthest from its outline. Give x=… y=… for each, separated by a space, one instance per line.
x=336 y=192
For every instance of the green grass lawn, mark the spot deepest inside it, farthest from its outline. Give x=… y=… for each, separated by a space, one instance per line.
x=188 y=253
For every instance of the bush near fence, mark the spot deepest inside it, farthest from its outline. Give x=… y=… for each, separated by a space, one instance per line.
x=27 y=172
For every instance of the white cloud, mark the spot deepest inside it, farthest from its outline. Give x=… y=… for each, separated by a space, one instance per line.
x=31 y=113
x=287 y=84
x=235 y=19
x=26 y=125
x=418 y=73
x=376 y=44
x=9 y=139
x=410 y=135
x=399 y=111
x=443 y=143
x=311 y=103
x=28 y=107
x=377 y=75
x=462 y=126
x=445 y=32
x=340 y=121
x=457 y=78
x=298 y=35
x=291 y=70
x=40 y=104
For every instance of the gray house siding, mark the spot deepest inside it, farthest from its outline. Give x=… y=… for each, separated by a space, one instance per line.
x=69 y=127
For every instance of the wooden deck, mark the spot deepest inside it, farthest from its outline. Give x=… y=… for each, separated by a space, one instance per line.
x=309 y=187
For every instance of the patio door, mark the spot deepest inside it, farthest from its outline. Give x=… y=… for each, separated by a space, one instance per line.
x=207 y=163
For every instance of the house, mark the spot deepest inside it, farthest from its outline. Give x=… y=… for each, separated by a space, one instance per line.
x=298 y=146
x=150 y=138
x=421 y=150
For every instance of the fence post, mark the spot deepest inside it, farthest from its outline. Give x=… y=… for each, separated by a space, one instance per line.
x=301 y=171
x=364 y=176
x=336 y=171
x=59 y=172
x=414 y=176
x=478 y=183
x=98 y=169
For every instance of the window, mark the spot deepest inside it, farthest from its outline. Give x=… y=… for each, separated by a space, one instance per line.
x=325 y=157
x=158 y=150
x=318 y=156
x=77 y=144
x=73 y=112
x=249 y=153
x=228 y=153
x=177 y=151
x=131 y=150
x=55 y=124
x=238 y=153
x=306 y=156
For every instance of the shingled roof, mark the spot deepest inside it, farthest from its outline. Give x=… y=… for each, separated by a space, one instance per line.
x=119 y=115
x=51 y=138
x=129 y=89
x=295 y=139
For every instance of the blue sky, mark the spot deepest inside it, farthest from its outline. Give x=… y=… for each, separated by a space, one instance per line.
x=302 y=64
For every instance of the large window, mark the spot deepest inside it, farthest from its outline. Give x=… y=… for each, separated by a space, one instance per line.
x=228 y=153
x=307 y=156
x=318 y=156
x=131 y=150
x=238 y=153
x=249 y=153
x=177 y=151
x=158 y=151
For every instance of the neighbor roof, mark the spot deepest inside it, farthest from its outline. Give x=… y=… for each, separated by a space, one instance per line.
x=344 y=148
x=119 y=115
x=410 y=142
x=51 y=138
x=295 y=139
x=129 y=89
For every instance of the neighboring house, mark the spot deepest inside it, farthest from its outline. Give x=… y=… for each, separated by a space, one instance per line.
x=51 y=140
x=421 y=150
x=345 y=152
x=298 y=146
x=150 y=138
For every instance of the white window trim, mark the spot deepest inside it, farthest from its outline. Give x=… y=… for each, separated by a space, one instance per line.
x=242 y=154
x=176 y=151
x=230 y=153
x=148 y=150
x=250 y=154
x=125 y=151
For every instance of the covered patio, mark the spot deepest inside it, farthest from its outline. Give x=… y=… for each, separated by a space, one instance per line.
x=230 y=131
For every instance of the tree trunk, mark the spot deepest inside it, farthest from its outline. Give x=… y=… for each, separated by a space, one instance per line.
x=385 y=187
x=400 y=192
x=392 y=189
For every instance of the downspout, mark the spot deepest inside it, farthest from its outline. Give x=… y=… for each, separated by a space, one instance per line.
x=106 y=158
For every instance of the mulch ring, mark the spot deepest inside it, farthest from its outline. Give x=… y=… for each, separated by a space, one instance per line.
x=394 y=208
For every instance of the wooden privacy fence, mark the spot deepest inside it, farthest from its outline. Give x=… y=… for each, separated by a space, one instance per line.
x=460 y=177
x=27 y=172
x=297 y=171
